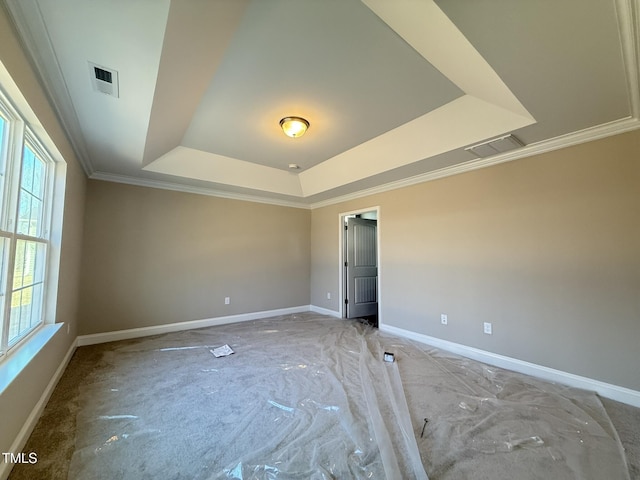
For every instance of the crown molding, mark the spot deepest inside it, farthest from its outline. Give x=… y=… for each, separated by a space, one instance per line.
x=571 y=139
x=46 y=64
x=628 y=12
x=176 y=187
x=568 y=140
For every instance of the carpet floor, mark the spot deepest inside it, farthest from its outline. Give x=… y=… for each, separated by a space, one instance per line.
x=310 y=397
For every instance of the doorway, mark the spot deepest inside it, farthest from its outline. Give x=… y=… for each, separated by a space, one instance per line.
x=360 y=269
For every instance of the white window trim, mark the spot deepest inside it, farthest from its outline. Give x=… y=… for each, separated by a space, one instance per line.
x=21 y=132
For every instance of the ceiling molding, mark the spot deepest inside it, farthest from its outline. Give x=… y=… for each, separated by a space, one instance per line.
x=488 y=109
x=465 y=120
x=446 y=48
x=46 y=64
x=47 y=67
x=210 y=167
x=177 y=187
x=172 y=109
x=628 y=12
x=584 y=136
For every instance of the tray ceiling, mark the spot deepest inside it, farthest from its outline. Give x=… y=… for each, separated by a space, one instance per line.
x=394 y=91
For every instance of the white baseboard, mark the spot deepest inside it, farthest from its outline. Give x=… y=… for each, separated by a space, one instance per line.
x=614 y=392
x=324 y=311
x=31 y=421
x=96 y=338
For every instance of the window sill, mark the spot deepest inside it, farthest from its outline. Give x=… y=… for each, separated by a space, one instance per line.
x=16 y=360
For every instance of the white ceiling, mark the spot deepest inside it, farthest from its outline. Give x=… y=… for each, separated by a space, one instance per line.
x=394 y=90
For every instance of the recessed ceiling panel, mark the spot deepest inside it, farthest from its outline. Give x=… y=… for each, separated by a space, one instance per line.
x=332 y=62
x=392 y=88
x=563 y=60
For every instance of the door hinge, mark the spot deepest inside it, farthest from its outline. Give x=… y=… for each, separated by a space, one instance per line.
x=346 y=227
x=346 y=301
x=346 y=264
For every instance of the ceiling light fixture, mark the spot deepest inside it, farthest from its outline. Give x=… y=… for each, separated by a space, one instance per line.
x=294 y=127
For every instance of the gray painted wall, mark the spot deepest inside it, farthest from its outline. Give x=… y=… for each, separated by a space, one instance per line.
x=153 y=257
x=546 y=248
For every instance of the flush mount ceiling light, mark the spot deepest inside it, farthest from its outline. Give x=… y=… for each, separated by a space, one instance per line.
x=294 y=127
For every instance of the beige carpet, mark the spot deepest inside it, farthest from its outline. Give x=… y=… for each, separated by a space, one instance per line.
x=306 y=396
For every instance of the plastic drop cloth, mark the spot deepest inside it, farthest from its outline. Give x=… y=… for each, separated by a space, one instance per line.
x=487 y=422
x=309 y=397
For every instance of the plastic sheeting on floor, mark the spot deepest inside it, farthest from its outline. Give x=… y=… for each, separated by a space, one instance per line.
x=309 y=397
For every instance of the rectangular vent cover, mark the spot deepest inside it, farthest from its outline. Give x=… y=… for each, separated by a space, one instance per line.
x=104 y=80
x=497 y=145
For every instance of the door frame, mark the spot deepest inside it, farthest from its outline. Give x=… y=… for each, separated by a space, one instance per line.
x=342 y=258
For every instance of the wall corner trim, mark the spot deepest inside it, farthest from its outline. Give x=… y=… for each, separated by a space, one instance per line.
x=614 y=392
x=105 y=337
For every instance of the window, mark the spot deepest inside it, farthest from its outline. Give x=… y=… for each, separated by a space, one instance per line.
x=26 y=176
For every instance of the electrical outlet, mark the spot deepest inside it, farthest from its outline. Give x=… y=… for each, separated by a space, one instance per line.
x=328 y=295
x=444 y=319
x=227 y=300
x=488 y=328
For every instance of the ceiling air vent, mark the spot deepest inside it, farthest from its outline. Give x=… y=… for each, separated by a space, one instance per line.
x=104 y=80
x=495 y=146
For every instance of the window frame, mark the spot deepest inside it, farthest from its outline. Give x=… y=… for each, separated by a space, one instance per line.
x=18 y=136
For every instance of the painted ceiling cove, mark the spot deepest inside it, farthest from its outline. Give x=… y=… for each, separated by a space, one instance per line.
x=394 y=91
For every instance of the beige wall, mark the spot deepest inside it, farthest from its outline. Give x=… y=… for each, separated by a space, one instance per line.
x=20 y=397
x=546 y=248
x=154 y=257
